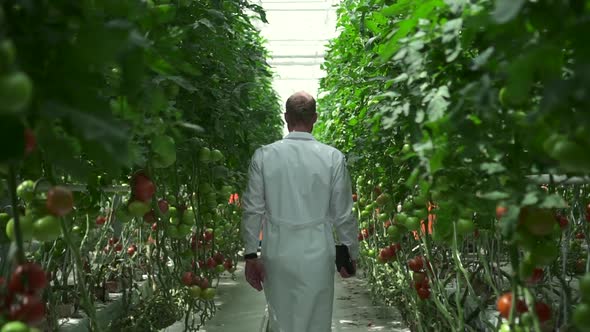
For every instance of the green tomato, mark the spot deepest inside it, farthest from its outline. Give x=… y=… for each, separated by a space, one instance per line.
x=220 y=269
x=16 y=91
x=395 y=232
x=15 y=326
x=138 y=208
x=412 y=223
x=208 y=294
x=371 y=252
x=172 y=231
x=25 y=191
x=465 y=226
x=47 y=229
x=205 y=155
x=585 y=288
x=216 y=156
x=173 y=212
x=195 y=291
x=421 y=214
x=582 y=317
x=175 y=221
x=383 y=217
x=7 y=55
x=184 y=230
x=26 y=226
x=401 y=218
x=123 y=216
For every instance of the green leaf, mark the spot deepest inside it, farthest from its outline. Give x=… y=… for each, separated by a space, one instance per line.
x=506 y=10
x=530 y=199
x=494 y=195
x=492 y=168
x=554 y=201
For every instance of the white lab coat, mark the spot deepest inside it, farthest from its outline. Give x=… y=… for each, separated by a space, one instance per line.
x=300 y=188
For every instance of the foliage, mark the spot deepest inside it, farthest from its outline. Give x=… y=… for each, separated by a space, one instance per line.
x=145 y=113
x=457 y=103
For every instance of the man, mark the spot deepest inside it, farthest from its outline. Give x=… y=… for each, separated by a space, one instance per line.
x=301 y=189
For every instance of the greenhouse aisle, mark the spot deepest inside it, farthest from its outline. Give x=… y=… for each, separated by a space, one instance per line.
x=241 y=309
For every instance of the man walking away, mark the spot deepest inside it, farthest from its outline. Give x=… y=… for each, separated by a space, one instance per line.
x=302 y=190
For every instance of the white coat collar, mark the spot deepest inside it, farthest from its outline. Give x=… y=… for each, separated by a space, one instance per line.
x=300 y=135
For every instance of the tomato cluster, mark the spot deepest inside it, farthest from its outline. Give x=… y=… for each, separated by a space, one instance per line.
x=389 y=253
x=22 y=298
x=420 y=279
x=504 y=306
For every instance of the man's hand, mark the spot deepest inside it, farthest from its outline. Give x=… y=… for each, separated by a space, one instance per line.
x=255 y=273
x=344 y=274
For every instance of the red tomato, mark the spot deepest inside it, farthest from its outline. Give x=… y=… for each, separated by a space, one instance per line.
x=101 y=220
x=218 y=257
x=424 y=293
x=150 y=217
x=387 y=224
x=580 y=236
x=163 y=205
x=118 y=247
x=187 y=278
x=354 y=197
x=27 y=278
x=154 y=226
x=536 y=276
x=143 y=188
x=228 y=264
x=31 y=310
x=211 y=263
x=504 y=304
x=60 y=201
x=131 y=250
x=208 y=235
x=416 y=264
x=113 y=240
x=543 y=311
x=562 y=221
x=30 y=141
x=203 y=283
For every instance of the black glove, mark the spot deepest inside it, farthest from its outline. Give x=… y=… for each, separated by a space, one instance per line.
x=343 y=259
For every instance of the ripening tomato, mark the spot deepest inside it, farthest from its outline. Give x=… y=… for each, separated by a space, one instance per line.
x=354 y=197
x=500 y=211
x=60 y=201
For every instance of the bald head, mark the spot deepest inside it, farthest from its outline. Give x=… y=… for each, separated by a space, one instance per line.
x=301 y=109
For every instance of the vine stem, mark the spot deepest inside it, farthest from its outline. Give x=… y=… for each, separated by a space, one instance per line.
x=20 y=252
x=86 y=300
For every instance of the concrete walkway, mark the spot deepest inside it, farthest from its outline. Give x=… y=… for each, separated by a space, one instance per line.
x=241 y=309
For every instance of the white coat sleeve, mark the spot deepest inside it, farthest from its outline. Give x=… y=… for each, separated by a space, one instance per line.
x=343 y=219
x=253 y=205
